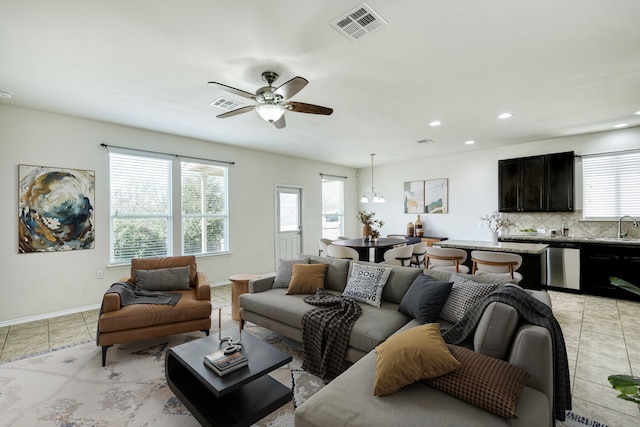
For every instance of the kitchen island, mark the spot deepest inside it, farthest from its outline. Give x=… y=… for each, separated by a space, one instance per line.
x=534 y=265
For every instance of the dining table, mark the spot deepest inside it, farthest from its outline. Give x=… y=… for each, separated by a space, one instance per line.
x=380 y=246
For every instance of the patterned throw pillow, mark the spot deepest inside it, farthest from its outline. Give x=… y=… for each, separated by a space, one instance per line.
x=464 y=294
x=366 y=283
x=483 y=381
x=283 y=273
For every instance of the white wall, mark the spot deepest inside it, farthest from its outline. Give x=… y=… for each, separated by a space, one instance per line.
x=473 y=182
x=43 y=284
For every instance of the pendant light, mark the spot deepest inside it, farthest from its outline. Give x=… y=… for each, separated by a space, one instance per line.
x=372 y=196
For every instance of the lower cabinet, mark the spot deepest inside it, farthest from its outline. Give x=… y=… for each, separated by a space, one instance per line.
x=599 y=262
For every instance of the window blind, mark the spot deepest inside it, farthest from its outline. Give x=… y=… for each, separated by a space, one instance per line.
x=611 y=185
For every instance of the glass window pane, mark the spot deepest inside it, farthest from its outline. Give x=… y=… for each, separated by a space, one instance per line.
x=289 y=214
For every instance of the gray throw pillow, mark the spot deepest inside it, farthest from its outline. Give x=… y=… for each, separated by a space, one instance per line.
x=366 y=283
x=164 y=279
x=284 y=271
x=464 y=294
x=425 y=298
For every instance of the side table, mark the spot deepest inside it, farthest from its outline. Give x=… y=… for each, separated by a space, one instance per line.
x=239 y=286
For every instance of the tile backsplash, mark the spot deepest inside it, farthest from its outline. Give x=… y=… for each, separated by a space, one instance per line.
x=577 y=226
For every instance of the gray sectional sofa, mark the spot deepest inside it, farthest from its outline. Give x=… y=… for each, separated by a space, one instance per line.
x=349 y=401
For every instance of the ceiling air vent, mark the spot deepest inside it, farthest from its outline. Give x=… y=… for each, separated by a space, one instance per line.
x=359 y=22
x=226 y=104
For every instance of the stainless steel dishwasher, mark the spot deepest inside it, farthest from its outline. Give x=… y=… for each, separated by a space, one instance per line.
x=563 y=265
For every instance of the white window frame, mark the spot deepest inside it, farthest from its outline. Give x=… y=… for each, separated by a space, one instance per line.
x=331 y=211
x=611 y=185
x=175 y=217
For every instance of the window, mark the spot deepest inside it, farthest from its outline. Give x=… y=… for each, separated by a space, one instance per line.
x=332 y=207
x=611 y=185
x=161 y=205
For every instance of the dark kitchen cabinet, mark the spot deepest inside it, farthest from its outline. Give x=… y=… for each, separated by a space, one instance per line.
x=536 y=184
x=599 y=262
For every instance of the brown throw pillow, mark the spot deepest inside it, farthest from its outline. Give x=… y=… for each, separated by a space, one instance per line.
x=306 y=278
x=483 y=381
x=409 y=356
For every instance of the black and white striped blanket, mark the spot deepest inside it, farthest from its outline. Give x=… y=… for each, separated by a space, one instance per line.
x=535 y=312
x=325 y=333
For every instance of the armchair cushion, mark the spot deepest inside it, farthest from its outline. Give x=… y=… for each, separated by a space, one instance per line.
x=164 y=279
x=167 y=262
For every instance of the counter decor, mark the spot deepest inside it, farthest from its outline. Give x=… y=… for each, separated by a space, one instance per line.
x=496 y=224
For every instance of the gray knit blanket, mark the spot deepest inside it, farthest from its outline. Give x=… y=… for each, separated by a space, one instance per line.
x=535 y=312
x=129 y=294
x=325 y=333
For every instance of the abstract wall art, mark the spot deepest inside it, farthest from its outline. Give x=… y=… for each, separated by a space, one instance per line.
x=55 y=209
x=413 y=197
x=435 y=198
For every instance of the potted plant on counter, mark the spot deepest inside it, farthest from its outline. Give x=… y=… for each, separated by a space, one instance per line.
x=496 y=224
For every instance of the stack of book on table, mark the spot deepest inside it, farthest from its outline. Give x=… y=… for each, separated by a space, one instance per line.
x=222 y=364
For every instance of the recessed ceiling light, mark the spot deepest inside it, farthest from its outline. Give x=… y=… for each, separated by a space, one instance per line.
x=637 y=113
x=505 y=116
x=435 y=123
x=6 y=95
x=469 y=142
x=620 y=125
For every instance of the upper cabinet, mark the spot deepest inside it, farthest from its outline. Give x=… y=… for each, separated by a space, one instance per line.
x=536 y=184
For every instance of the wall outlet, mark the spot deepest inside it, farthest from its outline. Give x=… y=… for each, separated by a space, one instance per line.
x=99 y=274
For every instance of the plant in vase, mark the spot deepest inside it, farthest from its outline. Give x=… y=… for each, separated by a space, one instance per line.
x=496 y=224
x=368 y=222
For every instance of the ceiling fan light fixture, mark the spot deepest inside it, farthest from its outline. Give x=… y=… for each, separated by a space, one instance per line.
x=270 y=112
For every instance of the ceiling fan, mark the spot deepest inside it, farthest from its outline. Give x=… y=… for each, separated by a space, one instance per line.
x=272 y=101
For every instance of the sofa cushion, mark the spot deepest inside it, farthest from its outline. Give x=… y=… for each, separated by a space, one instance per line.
x=415 y=354
x=425 y=298
x=164 y=279
x=399 y=282
x=366 y=282
x=486 y=382
x=284 y=271
x=495 y=330
x=306 y=278
x=337 y=273
x=464 y=294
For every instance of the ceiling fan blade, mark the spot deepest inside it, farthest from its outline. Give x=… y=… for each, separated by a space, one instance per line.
x=290 y=88
x=233 y=90
x=280 y=123
x=301 y=107
x=236 y=112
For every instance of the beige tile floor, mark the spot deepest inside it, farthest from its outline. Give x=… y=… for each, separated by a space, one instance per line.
x=602 y=337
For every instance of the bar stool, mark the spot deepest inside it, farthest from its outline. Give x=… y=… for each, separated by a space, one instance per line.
x=496 y=263
x=446 y=259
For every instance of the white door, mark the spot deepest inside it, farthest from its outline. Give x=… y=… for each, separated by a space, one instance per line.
x=289 y=222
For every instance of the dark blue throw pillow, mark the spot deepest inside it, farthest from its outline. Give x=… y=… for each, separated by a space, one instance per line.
x=425 y=298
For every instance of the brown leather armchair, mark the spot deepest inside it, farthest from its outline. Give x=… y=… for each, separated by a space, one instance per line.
x=118 y=324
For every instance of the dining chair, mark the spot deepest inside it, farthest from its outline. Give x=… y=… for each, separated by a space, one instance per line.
x=496 y=263
x=419 y=252
x=322 y=246
x=344 y=252
x=399 y=256
x=397 y=236
x=446 y=259
x=343 y=238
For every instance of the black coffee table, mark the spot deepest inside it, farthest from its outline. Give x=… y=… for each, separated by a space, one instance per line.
x=240 y=398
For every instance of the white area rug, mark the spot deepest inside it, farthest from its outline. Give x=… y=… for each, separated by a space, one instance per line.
x=69 y=387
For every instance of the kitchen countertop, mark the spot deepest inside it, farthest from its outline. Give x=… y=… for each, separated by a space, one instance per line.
x=545 y=238
x=522 y=248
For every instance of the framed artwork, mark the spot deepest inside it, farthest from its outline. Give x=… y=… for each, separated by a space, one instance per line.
x=55 y=209
x=435 y=194
x=414 y=197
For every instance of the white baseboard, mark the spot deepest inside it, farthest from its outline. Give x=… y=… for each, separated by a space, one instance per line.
x=71 y=311
x=48 y=315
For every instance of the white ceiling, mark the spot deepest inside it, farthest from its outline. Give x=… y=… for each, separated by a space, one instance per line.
x=562 y=67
